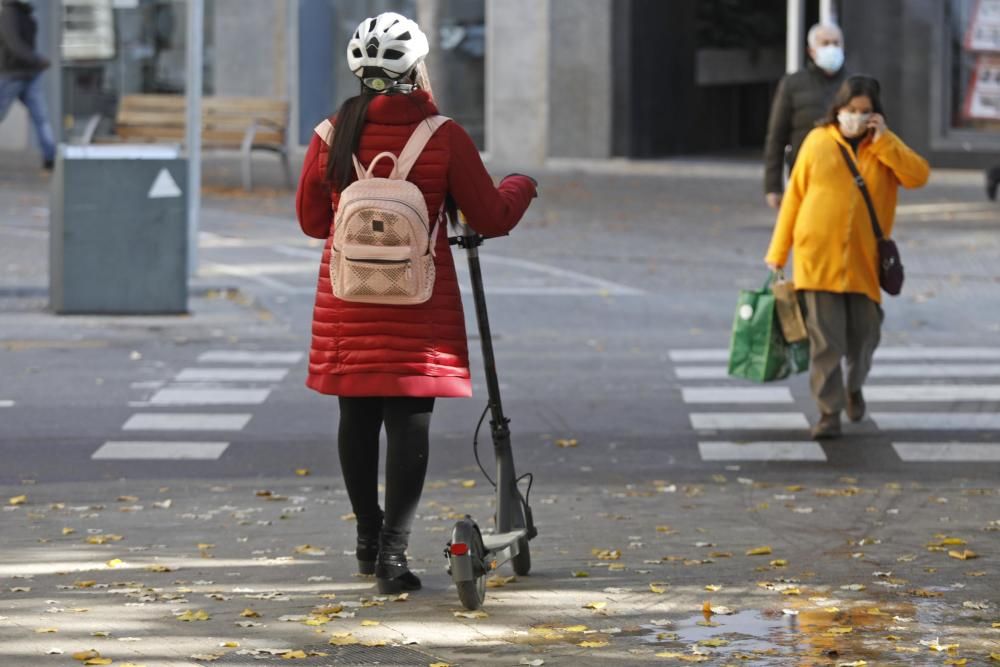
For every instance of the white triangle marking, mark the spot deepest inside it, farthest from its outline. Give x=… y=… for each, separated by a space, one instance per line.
x=164 y=186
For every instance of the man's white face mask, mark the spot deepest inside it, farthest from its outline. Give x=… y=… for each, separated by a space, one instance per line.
x=830 y=58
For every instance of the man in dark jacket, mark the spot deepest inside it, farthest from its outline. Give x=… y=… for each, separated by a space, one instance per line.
x=801 y=100
x=21 y=68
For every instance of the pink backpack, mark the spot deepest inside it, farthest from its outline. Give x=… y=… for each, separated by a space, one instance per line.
x=383 y=243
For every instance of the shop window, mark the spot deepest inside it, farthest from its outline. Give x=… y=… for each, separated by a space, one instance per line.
x=974 y=49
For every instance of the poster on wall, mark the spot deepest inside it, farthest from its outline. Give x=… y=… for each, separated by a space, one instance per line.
x=983 y=99
x=984 y=27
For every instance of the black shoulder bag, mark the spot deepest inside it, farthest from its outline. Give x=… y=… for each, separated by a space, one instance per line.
x=890 y=266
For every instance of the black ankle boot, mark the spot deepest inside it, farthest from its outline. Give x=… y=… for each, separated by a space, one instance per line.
x=366 y=550
x=393 y=575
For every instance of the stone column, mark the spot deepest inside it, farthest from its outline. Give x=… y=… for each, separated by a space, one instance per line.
x=250 y=53
x=580 y=83
x=517 y=81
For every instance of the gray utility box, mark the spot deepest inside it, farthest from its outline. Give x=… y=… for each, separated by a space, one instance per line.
x=118 y=231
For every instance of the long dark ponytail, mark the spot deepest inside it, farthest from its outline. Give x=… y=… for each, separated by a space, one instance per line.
x=346 y=139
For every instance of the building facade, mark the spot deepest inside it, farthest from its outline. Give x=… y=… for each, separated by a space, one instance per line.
x=539 y=79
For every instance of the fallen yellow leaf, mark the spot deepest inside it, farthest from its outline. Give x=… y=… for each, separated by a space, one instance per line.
x=574 y=628
x=593 y=644
x=343 y=639
x=199 y=615
x=596 y=606
x=963 y=555
x=294 y=655
x=369 y=623
x=779 y=562
x=43 y=631
x=759 y=551
x=606 y=554
x=439 y=664
x=659 y=590
x=469 y=484
x=566 y=442
x=714 y=643
x=99 y=661
x=18 y=500
x=956 y=661
x=159 y=568
x=68 y=531
x=302 y=472
x=995 y=657
x=86 y=655
x=249 y=613
x=115 y=562
x=104 y=539
x=713 y=588
x=840 y=630
x=230 y=644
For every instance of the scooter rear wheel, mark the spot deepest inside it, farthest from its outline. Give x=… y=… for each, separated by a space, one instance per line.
x=522 y=561
x=472 y=594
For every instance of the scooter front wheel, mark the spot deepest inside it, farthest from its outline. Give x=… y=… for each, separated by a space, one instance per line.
x=522 y=561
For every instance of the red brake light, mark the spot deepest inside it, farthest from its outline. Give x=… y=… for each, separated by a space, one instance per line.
x=459 y=549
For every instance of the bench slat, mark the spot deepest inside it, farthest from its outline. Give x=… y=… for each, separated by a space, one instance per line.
x=177 y=134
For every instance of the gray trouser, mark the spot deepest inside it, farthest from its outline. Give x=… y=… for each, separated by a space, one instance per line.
x=839 y=325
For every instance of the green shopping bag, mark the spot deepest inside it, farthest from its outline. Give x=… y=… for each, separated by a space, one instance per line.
x=757 y=349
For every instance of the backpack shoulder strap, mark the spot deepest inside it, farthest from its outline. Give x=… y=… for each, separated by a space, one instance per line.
x=325 y=132
x=418 y=140
x=860 y=181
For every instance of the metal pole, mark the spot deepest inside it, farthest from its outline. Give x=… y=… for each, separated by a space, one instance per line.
x=195 y=44
x=795 y=35
x=827 y=12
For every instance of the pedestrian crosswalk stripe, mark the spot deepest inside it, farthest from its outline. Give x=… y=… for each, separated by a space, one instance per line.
x=931 y=393
x=942 y=353
x=878 y=371
x=912 y=353
x=186 y=422
x=935 y=370
x=707 y=421
x=232 y=375
x=695 y=355
x=736 y=395
x=199 y=396
x=929 y=452
x=147 y=451
x=937 y=421
x=6 y=404
x=249 y=357
x=761 y=451
x=701 y=372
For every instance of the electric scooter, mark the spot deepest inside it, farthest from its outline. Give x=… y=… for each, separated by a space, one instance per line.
x=471 y=554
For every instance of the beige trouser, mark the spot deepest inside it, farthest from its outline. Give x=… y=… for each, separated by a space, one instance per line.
x=839 y=325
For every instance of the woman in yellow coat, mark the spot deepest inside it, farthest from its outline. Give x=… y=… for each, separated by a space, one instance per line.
x=824 y=219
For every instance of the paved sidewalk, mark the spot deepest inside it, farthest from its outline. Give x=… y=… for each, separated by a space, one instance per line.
x=885 y=571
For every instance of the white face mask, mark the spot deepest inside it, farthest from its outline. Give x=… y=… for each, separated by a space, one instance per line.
x=853 y=124
x=829 y=58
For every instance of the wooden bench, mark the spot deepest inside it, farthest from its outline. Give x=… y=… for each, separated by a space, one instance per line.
x=244 y=123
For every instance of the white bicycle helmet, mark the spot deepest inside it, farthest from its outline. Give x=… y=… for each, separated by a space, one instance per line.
x=390 y=42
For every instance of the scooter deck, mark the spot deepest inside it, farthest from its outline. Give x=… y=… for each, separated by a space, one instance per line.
x=500 y=540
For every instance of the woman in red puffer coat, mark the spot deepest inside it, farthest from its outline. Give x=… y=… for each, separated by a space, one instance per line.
x=388 y=363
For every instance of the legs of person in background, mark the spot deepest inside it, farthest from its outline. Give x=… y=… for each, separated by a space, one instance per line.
x=33 y=97
x=864 y=331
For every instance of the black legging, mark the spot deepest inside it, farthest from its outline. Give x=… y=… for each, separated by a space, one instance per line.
x=407 y=427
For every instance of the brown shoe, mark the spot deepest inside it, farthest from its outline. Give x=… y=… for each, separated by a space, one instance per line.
x=827 y=427
x=855 y=406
